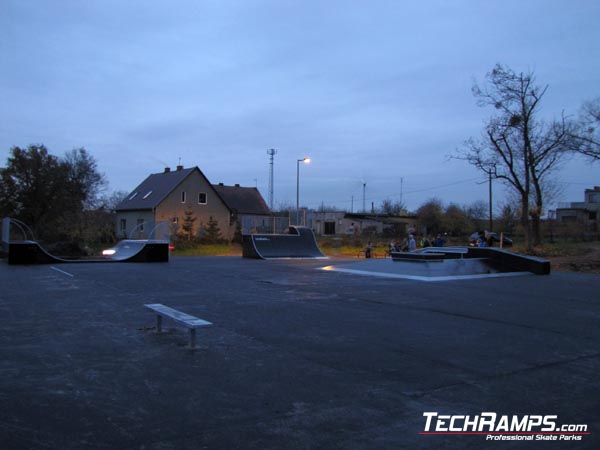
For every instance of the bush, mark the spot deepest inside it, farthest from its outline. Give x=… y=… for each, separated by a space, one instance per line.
x=211 y=233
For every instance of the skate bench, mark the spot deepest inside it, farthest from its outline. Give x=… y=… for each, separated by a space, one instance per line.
x=184 y=319
x=417 y=257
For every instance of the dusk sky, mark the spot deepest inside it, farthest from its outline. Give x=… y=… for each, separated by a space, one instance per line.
x=373 y=92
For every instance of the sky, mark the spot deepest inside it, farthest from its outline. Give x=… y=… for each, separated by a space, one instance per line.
x=376 y=93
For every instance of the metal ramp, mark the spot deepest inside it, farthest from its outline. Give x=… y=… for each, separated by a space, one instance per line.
x=28 y=251
x=299 y=242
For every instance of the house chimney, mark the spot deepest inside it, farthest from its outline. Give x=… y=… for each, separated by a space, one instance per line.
x=167 y=169
x=237 y=185
x=179 y=168
x=221 y=184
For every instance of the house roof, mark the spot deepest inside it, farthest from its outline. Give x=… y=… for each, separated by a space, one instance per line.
x=155 y=188
x=242 y=200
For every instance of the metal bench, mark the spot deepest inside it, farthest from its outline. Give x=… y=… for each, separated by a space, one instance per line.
x=186 y=320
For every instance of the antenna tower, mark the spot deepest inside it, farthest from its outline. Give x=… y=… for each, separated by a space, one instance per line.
x=271 y=152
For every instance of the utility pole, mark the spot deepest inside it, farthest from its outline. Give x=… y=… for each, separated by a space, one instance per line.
x=490 y=188
x=364 y=204
x=401 y=189
x=491 y=170
x=271 y=152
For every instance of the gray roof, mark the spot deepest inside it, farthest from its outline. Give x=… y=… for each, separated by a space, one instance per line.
x=155 y=189
x=242 y=200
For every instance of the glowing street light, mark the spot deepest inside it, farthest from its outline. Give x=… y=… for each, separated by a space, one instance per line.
x=305 y=161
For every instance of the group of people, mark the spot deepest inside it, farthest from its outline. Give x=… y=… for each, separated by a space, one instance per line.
x=483 y=239
x=410 y=244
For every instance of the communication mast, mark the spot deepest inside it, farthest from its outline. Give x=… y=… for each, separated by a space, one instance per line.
x=271 y=152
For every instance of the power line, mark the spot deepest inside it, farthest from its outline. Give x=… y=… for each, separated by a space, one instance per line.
x=416 y=191
x=470 y=180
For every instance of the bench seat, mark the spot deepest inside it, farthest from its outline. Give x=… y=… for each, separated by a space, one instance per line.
x=184 y=319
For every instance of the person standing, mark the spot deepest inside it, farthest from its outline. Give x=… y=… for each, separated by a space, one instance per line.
x=439 y=241
x=368 y=250
x=481 y=242
x=412 y=244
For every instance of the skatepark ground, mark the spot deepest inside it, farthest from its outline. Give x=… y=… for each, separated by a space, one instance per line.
x=297 y=358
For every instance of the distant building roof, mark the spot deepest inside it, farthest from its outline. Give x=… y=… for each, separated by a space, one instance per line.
x=242 y=200
x=155 y=189
x=380 y=217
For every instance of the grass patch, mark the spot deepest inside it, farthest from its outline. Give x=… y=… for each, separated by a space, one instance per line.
x=557 y=249
x=210 y=250
x=351 y=251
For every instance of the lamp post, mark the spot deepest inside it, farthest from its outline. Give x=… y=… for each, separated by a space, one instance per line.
x=305 y=161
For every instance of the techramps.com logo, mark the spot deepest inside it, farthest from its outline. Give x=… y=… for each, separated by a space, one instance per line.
x=497 y=427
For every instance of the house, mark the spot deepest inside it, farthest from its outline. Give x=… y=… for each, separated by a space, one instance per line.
x=336 y=223
x=248 y=207
x=172 y=196
x=586 y=212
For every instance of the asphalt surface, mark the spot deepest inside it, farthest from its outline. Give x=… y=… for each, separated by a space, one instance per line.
x=298 y=358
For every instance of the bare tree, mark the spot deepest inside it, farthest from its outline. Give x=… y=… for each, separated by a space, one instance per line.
x=110 y=201
x=516 y=146
x=392 y=208
x=508 y=217
x=477 y=212
x=588 y=137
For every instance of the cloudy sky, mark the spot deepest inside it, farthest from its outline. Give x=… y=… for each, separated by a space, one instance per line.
x=375 y=92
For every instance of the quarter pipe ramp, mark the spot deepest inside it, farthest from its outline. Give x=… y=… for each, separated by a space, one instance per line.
x=299 y=242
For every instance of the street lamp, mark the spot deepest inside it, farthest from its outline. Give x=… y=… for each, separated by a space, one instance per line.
x=305 y=161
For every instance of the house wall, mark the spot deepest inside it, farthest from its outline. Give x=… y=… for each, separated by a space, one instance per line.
x=173 y=207
x=132 y=220
x=327 y=223
x=336 y=223
x=593 y=196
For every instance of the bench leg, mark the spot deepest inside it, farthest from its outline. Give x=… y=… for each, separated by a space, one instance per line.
x=192 y=338
x=158 y=323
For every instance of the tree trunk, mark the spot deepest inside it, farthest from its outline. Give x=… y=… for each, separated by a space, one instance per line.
x=536 y=228
x=524 y=220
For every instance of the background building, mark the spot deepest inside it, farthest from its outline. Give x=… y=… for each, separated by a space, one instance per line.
x=168 y=197
x=586 y=212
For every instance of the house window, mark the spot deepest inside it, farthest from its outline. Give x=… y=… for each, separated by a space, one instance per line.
x=123 y=224
x=182 y=196
x=202 y=198
x=134 y=195
x=593 y=215
x=175 y=219
x=140 y=224
x=147 y=195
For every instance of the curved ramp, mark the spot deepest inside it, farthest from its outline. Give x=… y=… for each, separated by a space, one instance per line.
x=31 y=252
x=300 y=242
x=135 y=250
